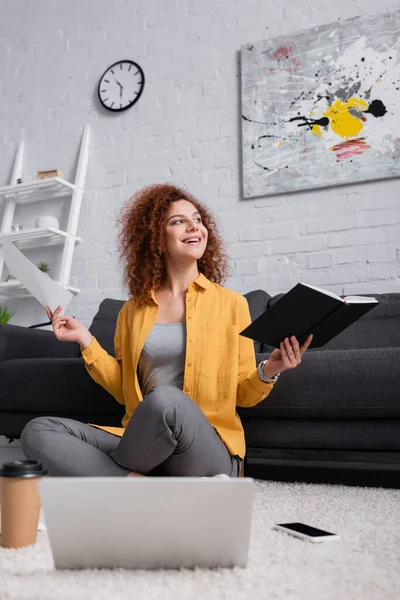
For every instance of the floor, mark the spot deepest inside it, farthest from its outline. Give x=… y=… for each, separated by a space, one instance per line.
x=362 y=565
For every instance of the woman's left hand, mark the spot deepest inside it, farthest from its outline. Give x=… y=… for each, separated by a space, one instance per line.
x=288 y=356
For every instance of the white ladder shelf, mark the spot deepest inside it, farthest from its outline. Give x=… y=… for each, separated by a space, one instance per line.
x=36 y=191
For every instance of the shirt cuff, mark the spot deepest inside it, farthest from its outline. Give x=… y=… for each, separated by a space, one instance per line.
x=92 y=352
x=259 y=385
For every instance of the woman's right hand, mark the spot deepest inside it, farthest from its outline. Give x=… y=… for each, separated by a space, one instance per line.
x=68 y=329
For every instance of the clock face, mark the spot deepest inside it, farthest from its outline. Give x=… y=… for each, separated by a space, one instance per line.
x=121 y=85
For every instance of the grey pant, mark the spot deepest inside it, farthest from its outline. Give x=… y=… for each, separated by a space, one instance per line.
x=168 y=434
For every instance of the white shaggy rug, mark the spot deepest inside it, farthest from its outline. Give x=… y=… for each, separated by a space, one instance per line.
x=363 y=565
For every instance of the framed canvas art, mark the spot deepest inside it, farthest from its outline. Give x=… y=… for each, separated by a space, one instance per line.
x=321 y=107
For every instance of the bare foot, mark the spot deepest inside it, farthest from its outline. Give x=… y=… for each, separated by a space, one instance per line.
x=135 y=475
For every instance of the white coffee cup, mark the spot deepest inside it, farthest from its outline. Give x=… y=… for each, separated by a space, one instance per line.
x=46 y=221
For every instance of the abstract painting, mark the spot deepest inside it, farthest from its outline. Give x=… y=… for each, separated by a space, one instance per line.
x=321 y=107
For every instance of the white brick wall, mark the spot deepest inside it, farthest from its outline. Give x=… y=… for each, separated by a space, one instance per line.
x=185 y=129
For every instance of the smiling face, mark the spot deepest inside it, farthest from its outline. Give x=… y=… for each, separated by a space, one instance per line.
x=185 y=235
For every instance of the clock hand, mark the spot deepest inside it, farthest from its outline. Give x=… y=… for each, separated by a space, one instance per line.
x=121 y=87
x=116 y=81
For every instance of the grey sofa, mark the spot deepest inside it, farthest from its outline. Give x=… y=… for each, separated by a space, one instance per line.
x=334 y=419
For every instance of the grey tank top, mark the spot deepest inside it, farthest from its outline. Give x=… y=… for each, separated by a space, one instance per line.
x=162 y=360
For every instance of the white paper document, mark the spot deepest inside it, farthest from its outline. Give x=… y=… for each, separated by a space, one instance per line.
x=45 y=290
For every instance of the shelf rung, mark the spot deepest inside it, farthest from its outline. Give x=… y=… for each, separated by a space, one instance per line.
x=34 y=238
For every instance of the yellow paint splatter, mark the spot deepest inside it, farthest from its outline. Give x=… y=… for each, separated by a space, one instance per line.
x=316 y=130
x=341 y=120
x=281 y=143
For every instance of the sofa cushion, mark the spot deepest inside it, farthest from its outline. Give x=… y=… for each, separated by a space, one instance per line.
x=17 y=341
x=335 y=384
x=104 y=322
x=53 y=386
x=380 y=328
x=335 y=434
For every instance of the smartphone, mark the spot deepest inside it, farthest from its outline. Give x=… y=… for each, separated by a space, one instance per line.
x=306 y=532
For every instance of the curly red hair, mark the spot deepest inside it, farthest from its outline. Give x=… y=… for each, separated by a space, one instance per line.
x=142 y=240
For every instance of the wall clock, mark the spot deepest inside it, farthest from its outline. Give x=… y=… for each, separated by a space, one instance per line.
x=121 y=85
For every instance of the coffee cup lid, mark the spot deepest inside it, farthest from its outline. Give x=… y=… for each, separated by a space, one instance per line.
x=22 y=469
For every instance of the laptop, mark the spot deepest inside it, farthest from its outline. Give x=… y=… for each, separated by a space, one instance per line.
x=147 y=523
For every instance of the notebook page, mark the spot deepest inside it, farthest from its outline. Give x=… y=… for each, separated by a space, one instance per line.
x=360 y=300
x=326 y=292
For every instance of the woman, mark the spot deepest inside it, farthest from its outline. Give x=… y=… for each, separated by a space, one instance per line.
x=181 y=367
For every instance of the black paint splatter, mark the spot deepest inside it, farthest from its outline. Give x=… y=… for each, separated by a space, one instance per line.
x=296 y=99
x=253 y=121
x=262 y=166
x=324 y=122
x=377 y=108
x=278 y=137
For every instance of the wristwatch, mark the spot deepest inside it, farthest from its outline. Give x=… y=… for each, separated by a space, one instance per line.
x=263 y=377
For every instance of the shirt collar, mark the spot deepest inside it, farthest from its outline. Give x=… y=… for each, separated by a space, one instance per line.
x=200 y=281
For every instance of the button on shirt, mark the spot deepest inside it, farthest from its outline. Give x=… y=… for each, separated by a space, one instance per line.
x=220 y=366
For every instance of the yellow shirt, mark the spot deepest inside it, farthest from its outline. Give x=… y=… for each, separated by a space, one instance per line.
x=220 y=365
